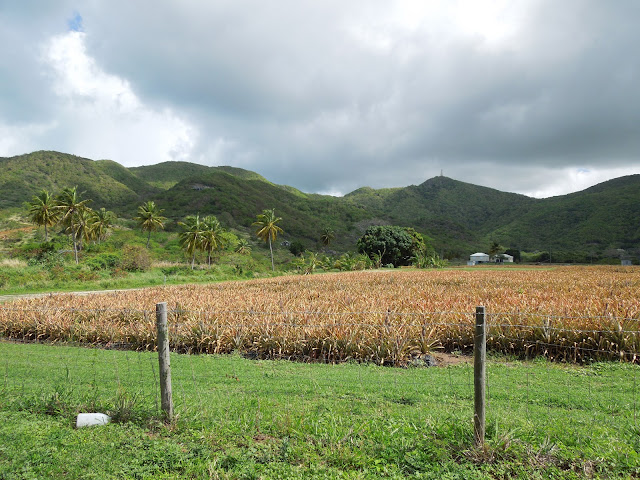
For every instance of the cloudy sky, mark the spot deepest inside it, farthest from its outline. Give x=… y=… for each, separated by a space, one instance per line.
x=539 y=97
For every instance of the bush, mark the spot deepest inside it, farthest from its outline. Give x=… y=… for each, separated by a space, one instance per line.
x=176 y=270
x=135 y=258
x=296 y=248
x=44 y=253
x=104 y=261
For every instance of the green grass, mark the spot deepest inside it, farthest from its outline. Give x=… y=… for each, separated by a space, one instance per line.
x=240 y=418
x=35 y=280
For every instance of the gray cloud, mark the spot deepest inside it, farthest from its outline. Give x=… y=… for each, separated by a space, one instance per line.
x=330 y=97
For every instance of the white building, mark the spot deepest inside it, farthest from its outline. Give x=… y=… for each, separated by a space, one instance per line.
x=477 y=258
x=503 y=258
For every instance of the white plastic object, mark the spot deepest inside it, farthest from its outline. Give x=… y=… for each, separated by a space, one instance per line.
x=91 y=419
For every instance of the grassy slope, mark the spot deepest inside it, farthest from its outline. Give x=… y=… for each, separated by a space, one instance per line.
x=595 y=218
x=239 y=418
x=23 y=176
x=166 y=174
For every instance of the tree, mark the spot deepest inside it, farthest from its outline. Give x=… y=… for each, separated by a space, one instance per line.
x=243 y=247
x=515 y=253
x=191 y=237
x=72 y=214
x=495 y=248
x=327 y=236
x=82 y=227
x=297 y=248
x=268 y=230
x=43 y=211
x=211 y=236
x=100 y=222
x=149 y=218
x=391 y=244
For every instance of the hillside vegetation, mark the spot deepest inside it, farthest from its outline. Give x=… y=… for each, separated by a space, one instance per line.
x=457 y=218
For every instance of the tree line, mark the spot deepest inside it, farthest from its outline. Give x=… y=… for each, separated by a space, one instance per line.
x=382 y=245
x=83 y=224
x=73 y=214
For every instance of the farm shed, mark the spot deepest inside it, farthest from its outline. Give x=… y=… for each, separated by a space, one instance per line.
x=478 y=258
x=503 y=258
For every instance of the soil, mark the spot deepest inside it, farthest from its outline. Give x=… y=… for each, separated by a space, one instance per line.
x=447 y=359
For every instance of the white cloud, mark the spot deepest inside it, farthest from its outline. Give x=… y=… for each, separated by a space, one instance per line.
x=569 y=180
x=18 y=139
x=331 y=96
x=100 y=116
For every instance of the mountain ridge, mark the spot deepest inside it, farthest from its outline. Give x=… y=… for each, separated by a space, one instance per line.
x=456 y=216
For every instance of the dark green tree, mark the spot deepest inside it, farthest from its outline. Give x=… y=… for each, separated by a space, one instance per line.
x=297 y=248
x=391 y=244
x=515 y=253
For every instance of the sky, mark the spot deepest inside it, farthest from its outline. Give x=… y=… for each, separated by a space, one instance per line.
x=539 y=97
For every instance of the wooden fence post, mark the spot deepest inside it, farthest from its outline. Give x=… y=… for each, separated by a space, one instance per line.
x=166 y=400
x=479 y=376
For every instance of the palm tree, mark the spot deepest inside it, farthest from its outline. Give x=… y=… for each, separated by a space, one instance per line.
x=43 y=211
x=149 y=218
x=268 y=230
x=100 y=222
x=72 y=211
x=327 y=236
x=243 y=247
x=81 y=227
x=211 y=236
x=191 y=237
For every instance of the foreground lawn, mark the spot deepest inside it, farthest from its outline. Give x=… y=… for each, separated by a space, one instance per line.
x=239 y=418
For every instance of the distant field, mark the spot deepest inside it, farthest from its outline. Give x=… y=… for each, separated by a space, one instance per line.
x=389 y=317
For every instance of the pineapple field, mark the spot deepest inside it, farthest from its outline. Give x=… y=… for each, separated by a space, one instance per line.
x=390 y=317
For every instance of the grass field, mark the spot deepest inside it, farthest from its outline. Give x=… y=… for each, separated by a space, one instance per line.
x=242 y=419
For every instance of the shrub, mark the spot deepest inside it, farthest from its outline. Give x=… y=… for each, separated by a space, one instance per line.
x=104 y=261
x=44 y=253
x=176 y=270
x=118 y=273
x=296 y=248
x=135 y=258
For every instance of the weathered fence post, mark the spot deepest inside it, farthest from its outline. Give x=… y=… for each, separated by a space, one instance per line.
x=166 y=400
x=479 y=376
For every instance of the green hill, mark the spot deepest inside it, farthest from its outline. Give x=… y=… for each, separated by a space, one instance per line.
x=457 y=217
x=107 y=183
x=600 y=217
x=165 y=175
x=236 y=201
